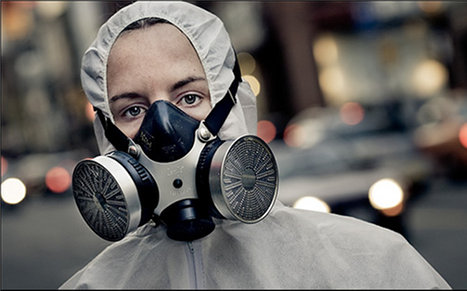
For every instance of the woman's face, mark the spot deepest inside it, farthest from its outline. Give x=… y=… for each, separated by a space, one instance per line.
x=154 y=63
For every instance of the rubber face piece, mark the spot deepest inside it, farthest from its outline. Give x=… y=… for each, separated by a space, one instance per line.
x=167 y=133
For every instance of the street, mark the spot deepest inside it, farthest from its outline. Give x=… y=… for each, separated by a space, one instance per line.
x=45 y=240
x=438 y=228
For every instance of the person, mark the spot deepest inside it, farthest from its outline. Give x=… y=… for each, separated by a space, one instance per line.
x=175 y=52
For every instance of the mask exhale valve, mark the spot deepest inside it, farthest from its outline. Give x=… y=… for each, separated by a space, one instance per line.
x=186 y=220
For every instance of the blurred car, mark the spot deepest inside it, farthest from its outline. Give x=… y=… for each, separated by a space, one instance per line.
x=37 y=175
x=368 y=169
x=442 y=134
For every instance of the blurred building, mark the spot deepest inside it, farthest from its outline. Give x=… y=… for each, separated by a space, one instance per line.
x=44 y=109
x=302 y=54
x=296 y=56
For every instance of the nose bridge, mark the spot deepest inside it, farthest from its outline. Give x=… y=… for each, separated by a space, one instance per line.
x=160 y=95
x=158 y=92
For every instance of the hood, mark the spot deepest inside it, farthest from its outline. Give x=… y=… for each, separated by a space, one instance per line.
x=211 y=41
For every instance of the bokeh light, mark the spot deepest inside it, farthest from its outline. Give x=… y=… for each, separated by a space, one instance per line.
x=254 y=83
x=385 y=194
x=463 y=135
x=13 y=191
x=266 y=130
x=4 y=165
x=294 y=135
x=429 y=77
x=351 y=113
x=247 y=63
x=312 y=203
x=51 y=9
x=17 y=19
x=430 y=7
x=58 y=179
x=89 y=111
x=325 y=50
x=332 y=82
x=393 y=211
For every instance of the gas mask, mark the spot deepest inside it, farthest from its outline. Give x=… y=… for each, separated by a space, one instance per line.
x=178 y=172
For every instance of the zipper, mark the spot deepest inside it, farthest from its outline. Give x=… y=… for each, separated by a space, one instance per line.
x=195 y=265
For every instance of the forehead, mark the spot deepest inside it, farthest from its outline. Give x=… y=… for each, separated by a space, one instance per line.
x=150 y=50
x=158 y=38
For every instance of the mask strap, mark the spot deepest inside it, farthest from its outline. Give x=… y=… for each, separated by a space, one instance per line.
x=116 y=137
x=221 y=110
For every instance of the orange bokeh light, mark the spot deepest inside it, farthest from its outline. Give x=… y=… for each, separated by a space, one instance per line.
x=4 y=165
x=266 y=130
x=463 y=135
x=58 y=179
x=352 y=113
x=89 y=111
x=393 y=211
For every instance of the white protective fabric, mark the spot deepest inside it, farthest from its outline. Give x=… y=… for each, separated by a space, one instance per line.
x=209 y=38
x=290 y=248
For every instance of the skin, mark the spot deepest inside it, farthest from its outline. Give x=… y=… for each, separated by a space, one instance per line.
x=154 y=63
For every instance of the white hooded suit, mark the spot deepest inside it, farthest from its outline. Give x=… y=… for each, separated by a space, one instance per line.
x=290 y=248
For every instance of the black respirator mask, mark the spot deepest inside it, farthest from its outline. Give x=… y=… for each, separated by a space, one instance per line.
x=178 y=172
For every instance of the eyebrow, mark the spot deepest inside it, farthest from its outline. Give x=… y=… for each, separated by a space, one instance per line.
x=174 y=87
x=185 y=81
x=123 y=96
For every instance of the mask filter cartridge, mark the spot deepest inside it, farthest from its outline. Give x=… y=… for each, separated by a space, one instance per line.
x=235 y=180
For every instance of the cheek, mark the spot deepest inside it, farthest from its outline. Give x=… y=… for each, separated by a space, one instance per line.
x=200 y=112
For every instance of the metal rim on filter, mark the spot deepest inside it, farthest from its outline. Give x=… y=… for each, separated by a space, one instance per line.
x=106 y=197
x=243 y=179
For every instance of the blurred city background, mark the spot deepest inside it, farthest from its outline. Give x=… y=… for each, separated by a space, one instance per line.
x=363 y=103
